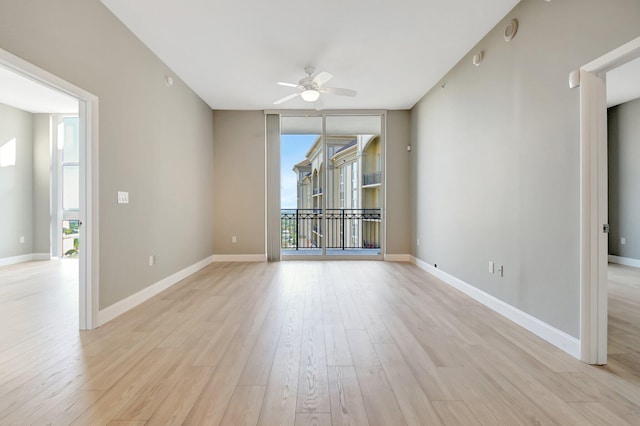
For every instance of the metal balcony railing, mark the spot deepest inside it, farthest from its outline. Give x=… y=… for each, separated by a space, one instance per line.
x=372 y=178
x=345 y=228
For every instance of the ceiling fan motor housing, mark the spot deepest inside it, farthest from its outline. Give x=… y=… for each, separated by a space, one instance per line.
x=307 y=82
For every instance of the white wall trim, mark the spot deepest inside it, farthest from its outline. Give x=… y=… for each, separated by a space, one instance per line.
x=397 y=258
x=239 y=257
x=615 y=58
x=556 y=337
x=6 y=261
x=107 y=314
x=627 y=261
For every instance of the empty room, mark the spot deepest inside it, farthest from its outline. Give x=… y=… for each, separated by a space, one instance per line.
x=348 y=213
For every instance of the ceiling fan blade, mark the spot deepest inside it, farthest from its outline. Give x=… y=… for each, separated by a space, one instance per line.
x=322 y=78
x=286 y=98
x=338 y=91
x=287 y=84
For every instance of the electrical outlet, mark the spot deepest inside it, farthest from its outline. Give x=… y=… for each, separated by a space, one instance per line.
x=491 y=268
x=623 y=241
x=418 y=242
x=123 y=197
x=21 y=240
x=152 y=260
x=234 y=239
x=501 y=270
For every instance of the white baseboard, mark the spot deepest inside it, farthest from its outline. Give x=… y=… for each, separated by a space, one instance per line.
x=119 y=308
x=397 y=258
x=239 y=257
x=556 y=337
x=627 y=261
x=5 y=261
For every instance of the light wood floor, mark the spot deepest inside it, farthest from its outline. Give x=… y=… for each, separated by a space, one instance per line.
x=295 y=343
x=624 y=319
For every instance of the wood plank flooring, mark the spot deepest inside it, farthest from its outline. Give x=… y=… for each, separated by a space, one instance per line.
x=624 y=319
x=301 y=343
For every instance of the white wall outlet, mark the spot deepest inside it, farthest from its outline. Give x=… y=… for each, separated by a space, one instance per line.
x=123 y=197
x=21 y=240
x=491 y=268
x=234 y=239
x=418 y=242
x=152 y=260
x=623 y=241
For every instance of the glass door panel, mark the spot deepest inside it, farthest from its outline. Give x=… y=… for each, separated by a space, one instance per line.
x=353 y=212
x=301 y=186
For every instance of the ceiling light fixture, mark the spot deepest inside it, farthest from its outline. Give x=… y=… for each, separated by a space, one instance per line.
x=310 y=95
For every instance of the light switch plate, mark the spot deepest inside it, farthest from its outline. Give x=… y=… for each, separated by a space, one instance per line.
x=123 y=197
x=623 y=240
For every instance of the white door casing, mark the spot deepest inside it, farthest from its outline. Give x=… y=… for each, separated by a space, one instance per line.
x=88 y=126
x=594 y=200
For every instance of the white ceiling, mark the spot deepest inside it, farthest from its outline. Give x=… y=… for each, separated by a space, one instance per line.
x=25 y=94
x=623 y=83
x=232 y=53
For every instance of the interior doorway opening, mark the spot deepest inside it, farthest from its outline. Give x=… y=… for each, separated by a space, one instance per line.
x=594 y=178
x=65 y=187
x=623 y=272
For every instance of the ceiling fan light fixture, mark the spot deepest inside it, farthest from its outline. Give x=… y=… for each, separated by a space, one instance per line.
x=310 y=95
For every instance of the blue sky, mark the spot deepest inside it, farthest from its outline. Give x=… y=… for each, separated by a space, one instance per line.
x=292 y=151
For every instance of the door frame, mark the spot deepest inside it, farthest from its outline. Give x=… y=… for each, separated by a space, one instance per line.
x=383 y=135
x=594 y=199
x=89 y=189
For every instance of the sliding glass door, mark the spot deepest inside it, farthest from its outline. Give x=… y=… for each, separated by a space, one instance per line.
x=301 y=188
x=332 y=186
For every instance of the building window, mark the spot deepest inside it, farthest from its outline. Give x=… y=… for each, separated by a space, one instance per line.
x=354 y=185
x=354 y=234
x=342 y=187
x=68 y=137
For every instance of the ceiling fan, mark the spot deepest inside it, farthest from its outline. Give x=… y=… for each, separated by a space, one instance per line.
x=310 y=88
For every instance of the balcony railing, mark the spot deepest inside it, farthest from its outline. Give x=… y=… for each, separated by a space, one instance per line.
x=345 y=228
x=372 y=178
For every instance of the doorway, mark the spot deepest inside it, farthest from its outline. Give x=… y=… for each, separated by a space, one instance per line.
x=84 y=174
x=623 y=272
x=595 y=225
x=332 y=186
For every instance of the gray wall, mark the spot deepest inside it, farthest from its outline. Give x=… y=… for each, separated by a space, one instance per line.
x=41 y=184
x=155 y=141
x=495 y=164
x=16 y=184
x=239 y=164
x=398 y=239
x=624 y=179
